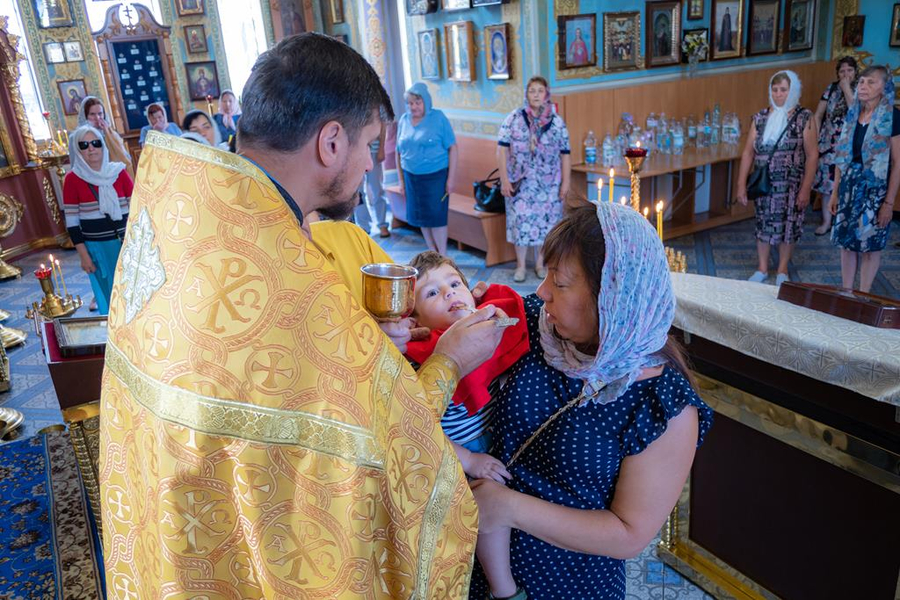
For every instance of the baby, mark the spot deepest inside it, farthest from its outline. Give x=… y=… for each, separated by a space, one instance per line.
x=443 y=298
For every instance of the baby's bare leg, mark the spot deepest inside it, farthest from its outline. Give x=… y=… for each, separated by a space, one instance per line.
x=493 y=554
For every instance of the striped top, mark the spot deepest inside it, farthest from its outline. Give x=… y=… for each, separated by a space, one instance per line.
x=84 y=221
x=461 y=427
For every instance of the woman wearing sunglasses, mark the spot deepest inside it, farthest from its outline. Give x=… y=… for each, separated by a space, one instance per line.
x=96 y=193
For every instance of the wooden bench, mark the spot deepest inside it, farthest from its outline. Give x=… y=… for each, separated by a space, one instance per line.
x=465 y=225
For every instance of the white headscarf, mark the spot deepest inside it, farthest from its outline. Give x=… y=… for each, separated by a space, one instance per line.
x=778 y=115
x=82 y=118
x=217 y=136
x=104 y=178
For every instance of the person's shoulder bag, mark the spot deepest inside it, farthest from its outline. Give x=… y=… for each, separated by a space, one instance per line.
x=759 y=183
x=488 y=197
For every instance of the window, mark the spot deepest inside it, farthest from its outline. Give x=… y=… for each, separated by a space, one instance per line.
x=34 y=107
x=407 y=59
x=245 y=38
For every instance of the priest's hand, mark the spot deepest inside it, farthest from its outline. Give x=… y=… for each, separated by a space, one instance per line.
x=472 y=340
x=403 y=331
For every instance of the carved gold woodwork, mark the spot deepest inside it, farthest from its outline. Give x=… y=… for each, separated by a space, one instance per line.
x=10 y=55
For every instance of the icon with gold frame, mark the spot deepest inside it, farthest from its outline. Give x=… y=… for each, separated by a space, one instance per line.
x=460 y=47
x=496 y=53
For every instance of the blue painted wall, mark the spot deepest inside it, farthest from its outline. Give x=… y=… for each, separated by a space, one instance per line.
x=877 y=31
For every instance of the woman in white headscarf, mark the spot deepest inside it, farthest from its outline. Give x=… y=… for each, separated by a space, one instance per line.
x=96 y=195
x=158 y=120
x=228 y=116
x=783 y=141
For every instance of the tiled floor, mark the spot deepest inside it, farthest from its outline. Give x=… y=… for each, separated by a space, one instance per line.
x=724 y=252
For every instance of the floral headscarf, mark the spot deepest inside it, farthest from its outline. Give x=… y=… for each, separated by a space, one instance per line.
x=876 y=145
x=538 y=121
x=635 y=309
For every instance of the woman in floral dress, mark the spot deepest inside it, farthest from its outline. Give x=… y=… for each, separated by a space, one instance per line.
x=867 y=178
x=534 y=163
x=784 y=136
x=830 y=120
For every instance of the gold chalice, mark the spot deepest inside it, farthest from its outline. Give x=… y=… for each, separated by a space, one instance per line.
x=389 y=290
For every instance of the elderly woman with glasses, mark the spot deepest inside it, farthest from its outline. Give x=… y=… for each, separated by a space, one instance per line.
x=96 y=194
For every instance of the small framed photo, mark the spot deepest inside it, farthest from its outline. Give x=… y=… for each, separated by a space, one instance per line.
x=853 y=31
x=195 y=39
x=190 y=7
x=695 y=9
x=74 y=52
x=894 y=38
x=799 y=24
x=496 y=56
x=71 y=92
x=460 y=47
x=577 y=41
x=621 y=41
x=337 y=11
x=421 y=7
x=429 y=58
x=203 y=79
x=727 y=29
x=763 y=35
x=456 y=4
x=695 y=35
x=663 y=33
x=53 y=52
x=53 y=13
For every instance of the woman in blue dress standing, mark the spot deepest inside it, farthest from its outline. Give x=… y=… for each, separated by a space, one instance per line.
x=426 y=160
x=598 y=422
x=866 y=183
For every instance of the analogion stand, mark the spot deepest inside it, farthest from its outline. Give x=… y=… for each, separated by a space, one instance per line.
x=697 y=187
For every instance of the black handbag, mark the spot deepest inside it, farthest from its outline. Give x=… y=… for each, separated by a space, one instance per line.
x=758 y=183
x=487 y=195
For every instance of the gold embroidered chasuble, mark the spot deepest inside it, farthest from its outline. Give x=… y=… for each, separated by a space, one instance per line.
x=260 y=436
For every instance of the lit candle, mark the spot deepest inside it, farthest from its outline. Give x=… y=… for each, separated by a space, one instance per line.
x=65 y=137
x=623 y=201
x=209 y=105
x=612 y=183
x=599 y=189
x=55 y=274
x=659 y=218
x=61 y=278
x=647 y=212
x=59 y=137
x=42 y=272
x=638 y=143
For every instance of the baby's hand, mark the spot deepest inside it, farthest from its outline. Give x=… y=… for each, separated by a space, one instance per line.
x=485 y=466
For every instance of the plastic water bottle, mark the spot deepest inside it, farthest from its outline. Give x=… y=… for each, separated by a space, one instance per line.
x=715 y=132
x=705 y=133
x=590 y=149
x=651 y=124
x=609 y=151
x=692 y=131
x=678 y=138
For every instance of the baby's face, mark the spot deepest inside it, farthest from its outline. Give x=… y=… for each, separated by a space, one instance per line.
x=442 y=298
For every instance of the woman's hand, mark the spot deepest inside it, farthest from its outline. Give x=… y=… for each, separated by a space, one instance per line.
x=742 y=195
x=506 y=189
x=495 y=505
x=484 y=466
x=563 y=191
x=833 y=204
x=844 y=84
x=885 y=214
x=87 y=264
x=803 y=199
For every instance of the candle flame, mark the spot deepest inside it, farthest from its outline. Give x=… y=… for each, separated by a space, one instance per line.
x=646 y=212
x=43 y=268
x=612 y=173
x=622 y=200
x=659 y=206
x=638 y=144
x=599 y=184
x=51 y=259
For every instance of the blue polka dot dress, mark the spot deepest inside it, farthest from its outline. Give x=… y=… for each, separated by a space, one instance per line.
x=575 y=462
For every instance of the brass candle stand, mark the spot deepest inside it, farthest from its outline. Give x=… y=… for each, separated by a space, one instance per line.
x=52 y=305
x=635 y=159
x=677 y=260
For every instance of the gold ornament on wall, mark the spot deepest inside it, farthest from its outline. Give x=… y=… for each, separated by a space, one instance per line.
x=11 y=56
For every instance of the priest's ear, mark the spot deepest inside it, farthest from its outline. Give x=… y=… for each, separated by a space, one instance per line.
x=332 y=143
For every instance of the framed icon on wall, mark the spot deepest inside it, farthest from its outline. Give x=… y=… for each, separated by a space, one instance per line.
x=203 y=79
x=853 y=31
x=53 y=13
x=894 y=38
x=663 y=33
x=54 y=53
x=71 y=93
x=695 y=9
x=621 y=41
x=727 y=29
x=190 y=7
x=429 y=58
x=496 y=55
x=73 y=51
x=460 y=45
x=799 y=24
x=195 y=39
x=577 y=41
x=763 y=29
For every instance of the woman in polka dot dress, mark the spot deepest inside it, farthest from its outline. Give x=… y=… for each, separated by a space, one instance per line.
x=595 y=485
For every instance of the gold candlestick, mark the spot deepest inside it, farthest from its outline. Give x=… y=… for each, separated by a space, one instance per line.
x=635 y=163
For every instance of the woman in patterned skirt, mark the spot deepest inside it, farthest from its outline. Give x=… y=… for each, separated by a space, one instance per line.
x=534 y=163
x=830 y=120
x=866 y=182
x=784 y=137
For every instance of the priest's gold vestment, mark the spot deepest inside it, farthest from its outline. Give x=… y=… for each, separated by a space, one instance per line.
x=260 y=436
